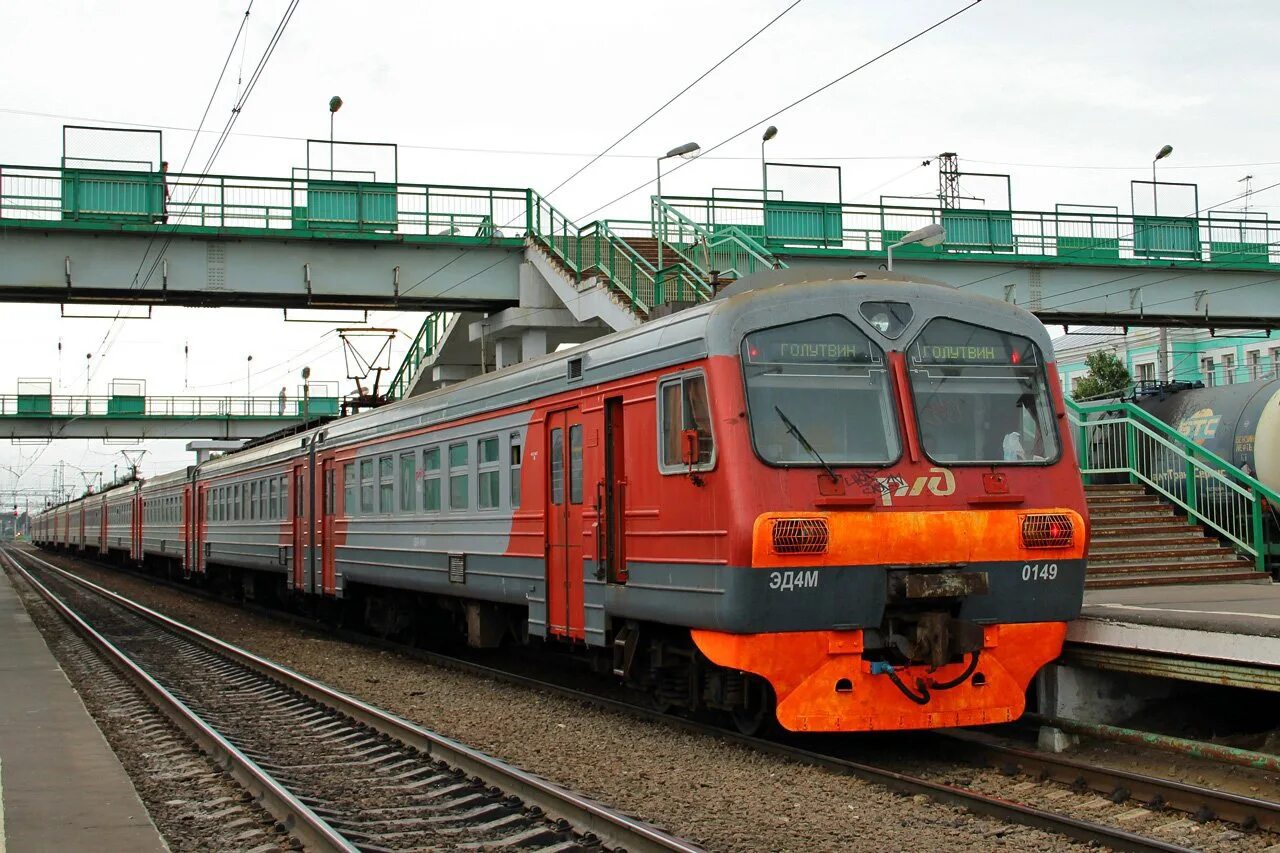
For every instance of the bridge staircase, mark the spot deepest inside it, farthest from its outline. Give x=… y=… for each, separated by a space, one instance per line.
x=1140 y=539
x=1163 y=509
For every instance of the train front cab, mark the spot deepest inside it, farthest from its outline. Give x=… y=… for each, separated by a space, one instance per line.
x=918 y=529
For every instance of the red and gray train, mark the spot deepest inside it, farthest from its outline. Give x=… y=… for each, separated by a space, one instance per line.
x=843 y=501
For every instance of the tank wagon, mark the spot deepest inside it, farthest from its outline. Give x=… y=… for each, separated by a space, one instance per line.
x=837 y=500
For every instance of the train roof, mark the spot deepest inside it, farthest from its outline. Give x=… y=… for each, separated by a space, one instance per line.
x=711 y=328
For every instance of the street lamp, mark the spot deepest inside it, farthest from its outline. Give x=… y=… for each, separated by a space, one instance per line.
x=1160 y=155
x=335 y=104
x=680 y=151
x=930 y=235
x=248 y=386
x=769 y=133
x=306 y=396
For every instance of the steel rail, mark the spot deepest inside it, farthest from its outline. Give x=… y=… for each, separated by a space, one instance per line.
x=585 y=815
x=293 y=814
x=1201 y=802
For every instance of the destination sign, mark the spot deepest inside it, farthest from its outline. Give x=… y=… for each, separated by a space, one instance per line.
x=946 y=341
x=825 y=340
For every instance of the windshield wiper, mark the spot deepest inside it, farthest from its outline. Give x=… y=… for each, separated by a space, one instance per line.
x=804 y=442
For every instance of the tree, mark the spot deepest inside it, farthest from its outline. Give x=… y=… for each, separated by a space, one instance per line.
x=1107 y=375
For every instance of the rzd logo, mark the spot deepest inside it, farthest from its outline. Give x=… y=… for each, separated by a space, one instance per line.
x=939 y=482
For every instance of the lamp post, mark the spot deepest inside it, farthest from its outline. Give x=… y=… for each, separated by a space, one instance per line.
x=930 y=235
x=769 y=133
x=248 y=385
x=306 y=395
x=680 y=151
x=335 y=104
x=88 y=359
x=1155 y=195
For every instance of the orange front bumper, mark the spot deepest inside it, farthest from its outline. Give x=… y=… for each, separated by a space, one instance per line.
x=805 y=669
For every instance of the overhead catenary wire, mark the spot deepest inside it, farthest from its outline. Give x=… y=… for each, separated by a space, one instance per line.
x=673 y=98
x=244 y=20
x=236 y=109
x=887 y=52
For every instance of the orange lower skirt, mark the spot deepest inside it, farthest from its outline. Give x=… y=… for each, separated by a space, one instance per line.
x=806 y=668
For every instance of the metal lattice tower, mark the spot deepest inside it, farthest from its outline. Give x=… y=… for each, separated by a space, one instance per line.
x=949 y=179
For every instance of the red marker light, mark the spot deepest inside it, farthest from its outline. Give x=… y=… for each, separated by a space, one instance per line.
x=753 y=352
x=1015 y=357
x=1055 y=530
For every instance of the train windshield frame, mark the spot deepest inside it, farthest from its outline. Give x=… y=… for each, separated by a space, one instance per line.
x=819 y=393
x=981 y=396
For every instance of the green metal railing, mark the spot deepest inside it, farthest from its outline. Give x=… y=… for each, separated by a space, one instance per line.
x=119 y=406
x=1120 y=438
x=727 y=252
x=92 y=198
x=1234 y=241
x=424 y=344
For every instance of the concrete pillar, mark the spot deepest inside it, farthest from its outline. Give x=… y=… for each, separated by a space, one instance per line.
x=506 y=352
x=534 y=343
x=1093 y=695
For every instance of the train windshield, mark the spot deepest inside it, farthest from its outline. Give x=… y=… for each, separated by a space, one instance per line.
x=981 y=396
x=818 y=393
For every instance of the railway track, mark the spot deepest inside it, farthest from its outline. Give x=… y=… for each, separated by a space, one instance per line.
x=339 y=774
x=1203 y=803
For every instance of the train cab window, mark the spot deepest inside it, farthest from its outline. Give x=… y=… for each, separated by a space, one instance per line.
x=408 y=489
x=459 y=481
x=330 y=501
x=366 y=485
x=819 y=391
x=683 y=406
x=431 y=479
x=981 y=396
x=516 y=451
x=575 y=463
x=349 y=488
x=386 y=485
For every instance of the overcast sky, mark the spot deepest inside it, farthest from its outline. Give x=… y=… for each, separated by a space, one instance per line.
x=1072 y=98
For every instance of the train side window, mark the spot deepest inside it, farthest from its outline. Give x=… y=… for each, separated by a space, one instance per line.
x=487 y=481
x=253 y=501
x=275 y=498
x=366 y=485
x=264 y=510
x=684 y=407
x=575 y=464
x=431 y=479
x=349 y=488
x=235 y=502
x=386 y=485
x=459 y=481
x=329 y=499
x=408 y=494
x=516 y=453
x=557 y=466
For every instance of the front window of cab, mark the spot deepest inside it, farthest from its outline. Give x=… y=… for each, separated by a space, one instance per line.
x=981 y=396
x=818 y=392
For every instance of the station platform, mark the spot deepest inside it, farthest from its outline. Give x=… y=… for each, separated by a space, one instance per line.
x=61 y=785
x=1213 y=633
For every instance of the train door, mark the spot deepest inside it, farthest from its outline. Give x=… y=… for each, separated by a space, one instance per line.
x=200 y=524
x=188 y=528
x=104 y=528
x=564 y=571
x=611 y=501
x=298 y=503
x=82 y=511
x=328 y=505
x=135 y=525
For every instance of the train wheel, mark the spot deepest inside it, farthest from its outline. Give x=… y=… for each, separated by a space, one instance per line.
x=759 y=717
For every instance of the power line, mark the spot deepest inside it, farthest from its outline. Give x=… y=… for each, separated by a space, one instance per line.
x=673 y=98
x=190 y=148
x=800 y=100
x=279 y=137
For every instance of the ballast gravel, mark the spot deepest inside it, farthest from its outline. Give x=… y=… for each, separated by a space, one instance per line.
x=720 y=795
